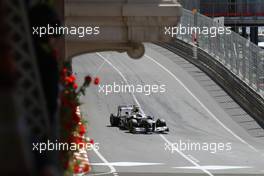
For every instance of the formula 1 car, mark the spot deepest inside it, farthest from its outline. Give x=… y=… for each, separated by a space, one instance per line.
x=131 y=118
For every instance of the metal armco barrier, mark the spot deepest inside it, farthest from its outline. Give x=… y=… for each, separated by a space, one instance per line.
x=243 y=58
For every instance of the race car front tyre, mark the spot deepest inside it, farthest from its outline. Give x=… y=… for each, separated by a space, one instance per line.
x=161 y=123
x=132 y=124
x=148 y=126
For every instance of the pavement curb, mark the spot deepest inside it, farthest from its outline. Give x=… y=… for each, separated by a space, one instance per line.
x=82 y=155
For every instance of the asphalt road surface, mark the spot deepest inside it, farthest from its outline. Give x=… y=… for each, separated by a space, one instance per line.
x=191 y=113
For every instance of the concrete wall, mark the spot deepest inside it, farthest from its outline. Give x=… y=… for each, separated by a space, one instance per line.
x=124 y=24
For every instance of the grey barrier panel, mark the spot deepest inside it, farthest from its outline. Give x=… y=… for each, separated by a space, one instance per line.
x=239 y=55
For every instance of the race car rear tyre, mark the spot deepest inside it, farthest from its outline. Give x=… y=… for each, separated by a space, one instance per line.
x=114 y=121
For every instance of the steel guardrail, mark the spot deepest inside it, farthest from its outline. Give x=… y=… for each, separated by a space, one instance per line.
x=240 y=56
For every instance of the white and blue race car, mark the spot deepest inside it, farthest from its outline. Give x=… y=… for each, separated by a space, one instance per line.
x=130 y=117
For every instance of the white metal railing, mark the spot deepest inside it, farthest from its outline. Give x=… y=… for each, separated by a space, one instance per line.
x=239 y=55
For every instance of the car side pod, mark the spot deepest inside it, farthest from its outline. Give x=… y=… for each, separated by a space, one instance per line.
x=123 y=25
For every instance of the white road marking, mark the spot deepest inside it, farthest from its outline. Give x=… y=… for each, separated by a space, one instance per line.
x=99 y=68
x=105 y=173
x=187 y=158
x=193 y=158
x=121 y=74
x=205 y=108
x=127 y=164
x=164 y=138
x=112 y=169
x=215 y=167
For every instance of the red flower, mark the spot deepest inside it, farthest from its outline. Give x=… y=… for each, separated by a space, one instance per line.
x=75 y=86
x=76 y=169
x=91 y=141
x=70 y=79
x=96 y=81
x=73 y=78
x=88 y=79
x=82 y=130
x=86 y=168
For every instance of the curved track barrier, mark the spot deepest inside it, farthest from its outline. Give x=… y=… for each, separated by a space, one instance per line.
x=241 y=57
x=232 y=61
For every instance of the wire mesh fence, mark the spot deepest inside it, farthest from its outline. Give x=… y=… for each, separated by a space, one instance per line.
x=239 y=55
